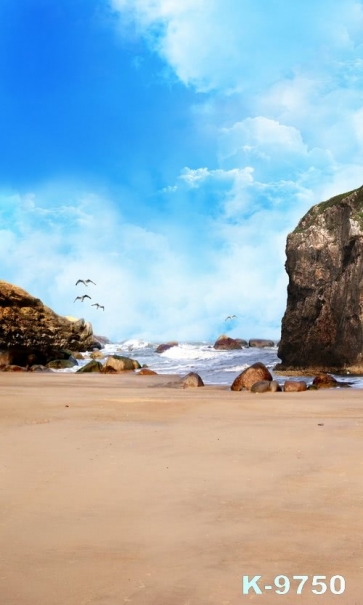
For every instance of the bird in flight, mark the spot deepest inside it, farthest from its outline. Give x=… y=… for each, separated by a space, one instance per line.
x=85 y=282
x=81 y=298
x=98 y=306
x=231 y=317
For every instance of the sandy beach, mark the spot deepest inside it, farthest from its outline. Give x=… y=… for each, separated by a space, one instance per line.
x=115 y=489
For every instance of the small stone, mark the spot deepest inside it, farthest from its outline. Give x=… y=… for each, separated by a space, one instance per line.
x=274 y=386
x=192 y=380
x=294 y=386
x=262 y=386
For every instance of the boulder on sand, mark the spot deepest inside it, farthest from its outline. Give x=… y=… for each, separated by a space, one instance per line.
x=265 y=386
x=261 y=386
x=295 y=386
x=249 y=376
x=119 y=363
x=192 y=380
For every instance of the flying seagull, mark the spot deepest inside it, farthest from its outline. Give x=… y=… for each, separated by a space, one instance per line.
x=98 y=306
x=81 y=298
x=85 y=282
x=231 y=317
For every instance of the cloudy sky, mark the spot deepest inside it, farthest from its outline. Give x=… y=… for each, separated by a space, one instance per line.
x=165 y=148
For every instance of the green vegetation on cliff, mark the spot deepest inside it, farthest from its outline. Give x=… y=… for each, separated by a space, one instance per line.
x=355 y=201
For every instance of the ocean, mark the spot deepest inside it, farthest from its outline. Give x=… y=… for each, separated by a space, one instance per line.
x=214 y=367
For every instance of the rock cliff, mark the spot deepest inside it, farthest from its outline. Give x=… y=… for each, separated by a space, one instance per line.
x=31 y=332
x=323 y=324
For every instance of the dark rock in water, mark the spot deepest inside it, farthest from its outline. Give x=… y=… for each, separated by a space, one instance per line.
x=260 y=343
x=166 y=346
x=326 y=381
x=192 y=380
x=102 y=340
x=322 y=328
x=225 y=343
x=31 y=333
x=295 y=386
x=261 y=386
x=241 y=342
x=250 y=375
x=61 y=364
x=91 y=366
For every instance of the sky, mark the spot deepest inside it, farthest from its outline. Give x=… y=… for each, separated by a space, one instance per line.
x=165 y=149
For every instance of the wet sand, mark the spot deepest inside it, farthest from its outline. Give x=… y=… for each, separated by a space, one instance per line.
x=115 y=489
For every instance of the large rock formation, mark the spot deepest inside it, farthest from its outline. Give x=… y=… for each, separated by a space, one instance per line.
x=31 y=332
x=322 y=328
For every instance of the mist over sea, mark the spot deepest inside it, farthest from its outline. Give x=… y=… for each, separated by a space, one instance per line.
x=214 y=367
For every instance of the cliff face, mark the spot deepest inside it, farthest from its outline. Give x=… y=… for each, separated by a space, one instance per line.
x=323 y=324
x=28 y=327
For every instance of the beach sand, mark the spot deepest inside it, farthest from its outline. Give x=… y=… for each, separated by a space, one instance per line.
x=117 y=490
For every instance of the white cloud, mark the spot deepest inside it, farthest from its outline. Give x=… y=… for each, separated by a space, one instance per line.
x=153 y=285
x=289 y=137
x=261 y=137
x=231 y=45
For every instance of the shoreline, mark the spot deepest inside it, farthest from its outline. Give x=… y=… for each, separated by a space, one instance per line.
x=116 y=489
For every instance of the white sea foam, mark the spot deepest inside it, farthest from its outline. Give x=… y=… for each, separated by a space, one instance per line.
x=134 y=343
x=215 y=367
x=187 y=351
x=236 y=368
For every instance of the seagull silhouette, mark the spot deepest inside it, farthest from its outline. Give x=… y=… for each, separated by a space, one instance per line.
x=98 y=306
x=231 y=317
x=81 y=298
x=85 y=282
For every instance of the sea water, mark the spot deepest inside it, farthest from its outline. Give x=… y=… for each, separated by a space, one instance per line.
x=214 y=367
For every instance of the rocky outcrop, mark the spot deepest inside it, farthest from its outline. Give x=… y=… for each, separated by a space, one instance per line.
x=31 y=333
x=322 y=329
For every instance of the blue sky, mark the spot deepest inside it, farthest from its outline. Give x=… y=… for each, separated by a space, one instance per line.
x=164 y=149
